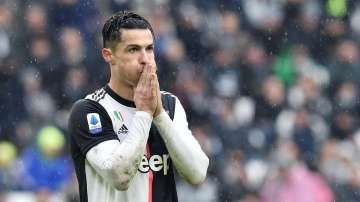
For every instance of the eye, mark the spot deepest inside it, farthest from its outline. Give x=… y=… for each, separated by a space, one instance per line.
x=150 y=48
x=133 y=50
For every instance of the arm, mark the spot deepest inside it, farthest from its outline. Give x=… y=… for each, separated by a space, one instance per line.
x=189 y=159
x=118 y=162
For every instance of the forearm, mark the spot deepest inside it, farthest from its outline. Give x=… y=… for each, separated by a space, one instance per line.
x=118 y=163
x=189 y=159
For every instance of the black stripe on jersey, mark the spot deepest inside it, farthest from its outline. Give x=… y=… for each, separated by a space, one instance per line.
x=119 y=99
x=164 y=188
x=168 y=100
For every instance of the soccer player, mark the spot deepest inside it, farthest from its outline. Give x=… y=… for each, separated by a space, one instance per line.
x=127 y=137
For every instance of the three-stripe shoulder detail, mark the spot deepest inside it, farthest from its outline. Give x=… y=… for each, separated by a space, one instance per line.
x=97 y=95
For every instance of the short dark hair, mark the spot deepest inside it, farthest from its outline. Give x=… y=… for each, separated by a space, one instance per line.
x=111 y=31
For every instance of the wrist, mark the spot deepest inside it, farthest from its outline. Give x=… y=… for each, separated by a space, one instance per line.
x=160 y=116
x=162 y=120
x=158 y=112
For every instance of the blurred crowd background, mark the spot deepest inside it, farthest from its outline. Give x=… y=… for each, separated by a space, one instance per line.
x=271 y=89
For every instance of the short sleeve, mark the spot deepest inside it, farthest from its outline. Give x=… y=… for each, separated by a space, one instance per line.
x=89 y=124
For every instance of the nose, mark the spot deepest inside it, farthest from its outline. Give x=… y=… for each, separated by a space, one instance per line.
x=144 y=58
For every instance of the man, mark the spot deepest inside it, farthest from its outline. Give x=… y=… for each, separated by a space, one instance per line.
x=127 y=136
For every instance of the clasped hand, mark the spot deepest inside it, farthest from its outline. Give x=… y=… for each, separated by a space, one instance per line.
x=147 y=95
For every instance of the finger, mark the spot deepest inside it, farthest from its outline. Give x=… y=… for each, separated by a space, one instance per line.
x=157 y=79
x=157 y=83
x=141 y=81
x=153 y=69
x=147 y=78
x=154 y=88
x=158 y=87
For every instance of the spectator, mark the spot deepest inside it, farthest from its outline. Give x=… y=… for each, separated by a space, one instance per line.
x=45 y=168
x=8 y=176
x=294 y=179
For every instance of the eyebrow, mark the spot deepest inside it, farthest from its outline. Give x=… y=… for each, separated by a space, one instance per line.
x=138 y=46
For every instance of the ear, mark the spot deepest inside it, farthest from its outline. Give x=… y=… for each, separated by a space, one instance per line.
x=107 y=55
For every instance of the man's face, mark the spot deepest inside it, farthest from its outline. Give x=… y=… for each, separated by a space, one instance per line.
x=134 y=53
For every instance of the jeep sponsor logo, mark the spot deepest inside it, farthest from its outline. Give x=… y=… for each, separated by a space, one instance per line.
x=156 y=163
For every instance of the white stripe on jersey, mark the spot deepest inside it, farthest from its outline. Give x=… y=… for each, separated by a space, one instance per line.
x=99 y=189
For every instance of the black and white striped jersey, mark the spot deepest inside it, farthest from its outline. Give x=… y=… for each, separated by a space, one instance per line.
x=104 y=116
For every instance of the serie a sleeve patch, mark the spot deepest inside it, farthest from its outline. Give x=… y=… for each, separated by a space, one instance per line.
x=94 y=123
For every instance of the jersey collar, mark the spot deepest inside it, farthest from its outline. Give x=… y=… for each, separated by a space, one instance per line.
x=117 y=97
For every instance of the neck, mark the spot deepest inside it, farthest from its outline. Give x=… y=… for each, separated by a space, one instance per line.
x=124 y=91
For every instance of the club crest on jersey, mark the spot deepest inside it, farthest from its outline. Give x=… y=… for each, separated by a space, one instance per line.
x=94 y=123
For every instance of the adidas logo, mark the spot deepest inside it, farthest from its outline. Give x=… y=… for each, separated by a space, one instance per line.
x=123 y=130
